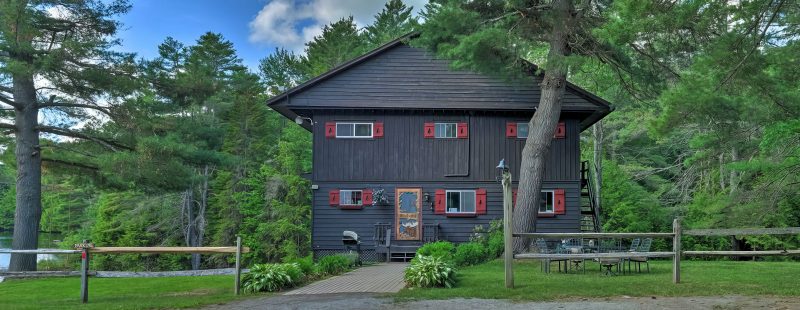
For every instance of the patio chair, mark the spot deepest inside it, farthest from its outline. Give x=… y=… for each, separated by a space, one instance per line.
x=644 y=247
x=574 y=246
x=609 y=246
x=634 y=246
x=541 y=247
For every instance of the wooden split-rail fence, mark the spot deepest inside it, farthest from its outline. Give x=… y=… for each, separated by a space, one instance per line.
x=86 y=249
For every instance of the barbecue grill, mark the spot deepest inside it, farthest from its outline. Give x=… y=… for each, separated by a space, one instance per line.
x=351 y=242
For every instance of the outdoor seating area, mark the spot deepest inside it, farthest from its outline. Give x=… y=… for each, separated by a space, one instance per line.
x=576 y=253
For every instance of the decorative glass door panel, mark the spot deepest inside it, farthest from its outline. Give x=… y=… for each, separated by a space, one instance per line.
x=407 y=213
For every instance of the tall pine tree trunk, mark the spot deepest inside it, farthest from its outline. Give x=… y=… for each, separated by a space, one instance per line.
x=543 y=124
x=29 y=175
x=597 y=157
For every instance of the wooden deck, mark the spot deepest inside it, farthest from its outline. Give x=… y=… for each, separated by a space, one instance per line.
x=382 y=278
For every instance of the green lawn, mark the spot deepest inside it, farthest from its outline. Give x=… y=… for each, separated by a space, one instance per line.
x=697 y=278
x=117 y=293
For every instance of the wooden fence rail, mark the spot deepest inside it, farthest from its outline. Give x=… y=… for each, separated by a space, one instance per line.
x=593 y=235
x=86 y=249
x=743 y=231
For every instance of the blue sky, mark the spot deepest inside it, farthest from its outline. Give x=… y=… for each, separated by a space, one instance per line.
x=256 y=27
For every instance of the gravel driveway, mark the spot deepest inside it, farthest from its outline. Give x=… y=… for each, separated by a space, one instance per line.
x=375 y=301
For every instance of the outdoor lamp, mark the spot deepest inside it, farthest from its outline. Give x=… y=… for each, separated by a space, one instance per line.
x=501 y=168
x=299 y=120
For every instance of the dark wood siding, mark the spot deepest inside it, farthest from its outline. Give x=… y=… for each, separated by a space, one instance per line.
x=403 y=154
x=329 y=222
x=410 y=78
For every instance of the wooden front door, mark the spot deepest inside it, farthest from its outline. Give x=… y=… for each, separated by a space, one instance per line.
x=407 y=213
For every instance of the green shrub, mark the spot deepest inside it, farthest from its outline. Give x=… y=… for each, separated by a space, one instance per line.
x=430 y=271
x=306 y=264
x=442 y=249
x=335 y=264
x=470 y=253
x=495 y=246
x=271 y=277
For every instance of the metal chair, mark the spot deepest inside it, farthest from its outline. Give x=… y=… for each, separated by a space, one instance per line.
x=634 y=246
x=609 y=246
x=574 y=246
x=644 y=247
x=541 y=247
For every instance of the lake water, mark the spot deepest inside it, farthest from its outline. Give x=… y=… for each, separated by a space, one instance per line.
x=46 y=241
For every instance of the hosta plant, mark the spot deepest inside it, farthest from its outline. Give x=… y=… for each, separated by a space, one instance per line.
x=430 y=271
x=271 y=277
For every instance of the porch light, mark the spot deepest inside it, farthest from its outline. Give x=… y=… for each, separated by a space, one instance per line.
x=299 y=120
x=501 y=168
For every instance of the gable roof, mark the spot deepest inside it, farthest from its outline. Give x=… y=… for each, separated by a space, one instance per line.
x=398 y=76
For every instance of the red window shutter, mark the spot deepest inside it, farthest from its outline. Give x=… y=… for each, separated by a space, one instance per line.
x=559 y=204
x=377 y=130
x=333 y=197
x=330 y=130
x=561 y=131
x=429 y=130
x=511 y=130
x=513 y=198
x=366 y=197
x=439 y=204
x=480 y=201
x=463 y=131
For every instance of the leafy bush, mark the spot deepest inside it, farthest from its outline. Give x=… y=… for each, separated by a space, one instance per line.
x=495 y=246
x=442 y=249
x=306 y=264
x=335 y=264
x=430 y=271
x=271 y=277
x=470 y=253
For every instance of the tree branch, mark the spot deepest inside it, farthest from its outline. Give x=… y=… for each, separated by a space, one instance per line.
x=10 y=102
x=51 y=104
x=111 y=145
x=70 y=163
x=8 y=126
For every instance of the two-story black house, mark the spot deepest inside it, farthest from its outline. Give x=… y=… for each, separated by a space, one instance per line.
x=405 y=149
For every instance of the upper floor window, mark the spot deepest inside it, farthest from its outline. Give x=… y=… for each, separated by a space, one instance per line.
x=460 y=201
x=522 y=130
x=350 y=198
x=354 y=130
x=445 y=130
x=547 y=205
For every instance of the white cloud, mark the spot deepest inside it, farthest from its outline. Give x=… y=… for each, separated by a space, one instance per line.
x=291 y=23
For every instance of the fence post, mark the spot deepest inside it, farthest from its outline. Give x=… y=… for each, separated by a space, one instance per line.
x=85 y=272
x=508 y=254
x=238 y=265
x=676 y=247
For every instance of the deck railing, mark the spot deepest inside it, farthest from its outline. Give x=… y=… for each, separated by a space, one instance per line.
x=383 y=232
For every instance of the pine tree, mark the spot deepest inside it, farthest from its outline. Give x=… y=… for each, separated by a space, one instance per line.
x=394 y=21
x=68 y=44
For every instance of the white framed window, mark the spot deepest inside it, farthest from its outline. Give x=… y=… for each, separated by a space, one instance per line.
x=460 y=201
x=547 y=205
x=350 y=198
x=522 y=130
x=445 y=130
x=354 y=130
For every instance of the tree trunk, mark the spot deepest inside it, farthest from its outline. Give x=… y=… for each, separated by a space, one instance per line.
x=29 y=176
x=597 y=156
x=200 y=217
x=734 y=178
x=542 y=125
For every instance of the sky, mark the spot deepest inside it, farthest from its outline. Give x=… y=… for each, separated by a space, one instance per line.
x=255 y=27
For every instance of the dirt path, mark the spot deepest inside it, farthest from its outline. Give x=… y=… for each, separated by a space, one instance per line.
x=374 y=301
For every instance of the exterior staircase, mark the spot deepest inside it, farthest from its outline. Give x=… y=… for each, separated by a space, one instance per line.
x=590 y=213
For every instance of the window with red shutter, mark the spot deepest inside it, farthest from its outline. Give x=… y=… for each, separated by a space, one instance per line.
x=511 y=130
x=377 y=130
x=330 y=130
x=463 y=131
x=333 y=197
x=480 y=203
x=429 y=131
x=439 y=203
x=561 y=131
x=366 y=197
